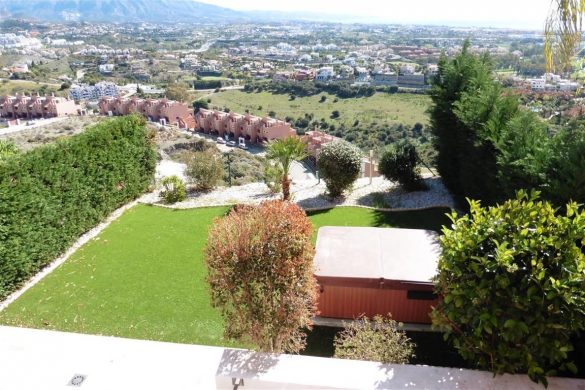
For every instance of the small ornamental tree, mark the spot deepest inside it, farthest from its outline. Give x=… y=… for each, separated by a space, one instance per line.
x=284 y=152
x=205 y=169
x=513 y=285
x=377 y=340
x=260 y=263
x=339 y=165
x=399 y=164
x=173 y=189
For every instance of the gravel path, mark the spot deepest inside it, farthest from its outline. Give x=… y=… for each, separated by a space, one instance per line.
x=311 y=194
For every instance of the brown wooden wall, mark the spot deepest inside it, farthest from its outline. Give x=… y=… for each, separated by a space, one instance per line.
x=352 y=302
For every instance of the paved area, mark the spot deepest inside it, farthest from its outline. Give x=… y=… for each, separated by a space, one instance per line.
x=35 y=123
x=48 y=360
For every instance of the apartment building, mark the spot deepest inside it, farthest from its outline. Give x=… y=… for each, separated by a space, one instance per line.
x=163 y=111
x=93 y=92
x=35 y=107
x=252 y=128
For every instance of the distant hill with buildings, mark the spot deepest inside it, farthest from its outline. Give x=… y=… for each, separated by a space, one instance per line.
x=118 y=10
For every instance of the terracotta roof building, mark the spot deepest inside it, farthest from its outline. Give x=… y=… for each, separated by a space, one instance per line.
x=252 y=128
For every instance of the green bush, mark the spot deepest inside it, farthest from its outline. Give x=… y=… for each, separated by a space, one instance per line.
x=566 y=168
x=243 y=167
x=378 y=340
x=399 y=163
x=513 y=285
x=7 y=149
x=205 y=169
x=339 y=165
x=173 y=189
x=51 y=195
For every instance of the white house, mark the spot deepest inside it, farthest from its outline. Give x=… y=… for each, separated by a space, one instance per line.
x=325 y=74
x=106 y=68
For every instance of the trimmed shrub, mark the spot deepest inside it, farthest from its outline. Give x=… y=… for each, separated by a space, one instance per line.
x=377 y=340
x=205 y=169
x=173 y=189
x=513 y=286
x=399 y=164
x=51 y=195
x=260 y=262
x=339 y=165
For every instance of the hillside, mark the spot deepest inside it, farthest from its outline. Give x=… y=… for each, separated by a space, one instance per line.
x=117 y=10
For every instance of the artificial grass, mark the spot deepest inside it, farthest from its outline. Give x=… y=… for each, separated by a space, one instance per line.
x=144 y=276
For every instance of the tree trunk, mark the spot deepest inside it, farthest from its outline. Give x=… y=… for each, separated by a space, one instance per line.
x=285 y=188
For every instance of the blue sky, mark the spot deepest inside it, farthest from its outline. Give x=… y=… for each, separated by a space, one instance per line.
x=497 y=13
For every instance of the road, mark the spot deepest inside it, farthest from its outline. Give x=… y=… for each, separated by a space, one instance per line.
x=36 y=123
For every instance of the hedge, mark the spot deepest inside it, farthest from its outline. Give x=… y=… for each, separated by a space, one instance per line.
x=51 y=195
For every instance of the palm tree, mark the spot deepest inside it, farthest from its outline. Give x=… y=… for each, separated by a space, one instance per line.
x=284 y=152
x=562 y=34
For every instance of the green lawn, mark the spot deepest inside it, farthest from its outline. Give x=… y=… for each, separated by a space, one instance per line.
x=143 y=276
x=381 y=108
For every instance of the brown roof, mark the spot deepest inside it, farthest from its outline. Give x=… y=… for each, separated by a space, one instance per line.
x=408 y=255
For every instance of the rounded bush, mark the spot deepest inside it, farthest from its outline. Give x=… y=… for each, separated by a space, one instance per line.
x=260 y=262
x=378 y=340
x=339 y=165
x=513 y=285
x=205 y=169
x=399 y=164
x=173 y=189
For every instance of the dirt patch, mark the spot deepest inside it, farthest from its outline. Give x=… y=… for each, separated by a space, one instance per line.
x=31 y=138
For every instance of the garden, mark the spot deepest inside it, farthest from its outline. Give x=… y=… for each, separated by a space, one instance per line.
x=143 y=277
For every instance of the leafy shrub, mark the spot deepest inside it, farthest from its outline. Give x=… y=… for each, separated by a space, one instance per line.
x=377 y=340
x=399 y=163
x=51 y=195
x=339 y=165
x=243 y=167
x=205 y=169
x=173 y=189
x=260 y=262
x=207 y=84
x=198 y=104
x=513 y=286
x=273 y=177
x=7 y=149
x=335 y=114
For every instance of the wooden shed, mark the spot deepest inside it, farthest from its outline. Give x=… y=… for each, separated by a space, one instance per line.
x=370 y=271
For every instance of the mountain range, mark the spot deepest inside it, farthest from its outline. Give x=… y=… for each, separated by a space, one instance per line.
x=178 y=11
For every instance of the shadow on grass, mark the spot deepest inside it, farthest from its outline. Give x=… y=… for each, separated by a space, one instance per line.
x=431 y=219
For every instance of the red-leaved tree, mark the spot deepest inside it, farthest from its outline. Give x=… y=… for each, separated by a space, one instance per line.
x=260 y=263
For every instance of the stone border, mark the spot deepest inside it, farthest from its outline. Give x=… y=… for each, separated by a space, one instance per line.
x=309 y=209
x=85 y=237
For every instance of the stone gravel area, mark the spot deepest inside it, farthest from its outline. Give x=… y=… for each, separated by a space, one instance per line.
x=311 y=194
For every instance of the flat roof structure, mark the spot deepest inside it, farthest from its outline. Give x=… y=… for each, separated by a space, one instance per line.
x=405 y=255
x=376 y=271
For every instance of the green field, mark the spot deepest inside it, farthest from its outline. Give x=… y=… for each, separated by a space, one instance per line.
x=144 y=277
x=381 y=108
x=12 y=87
